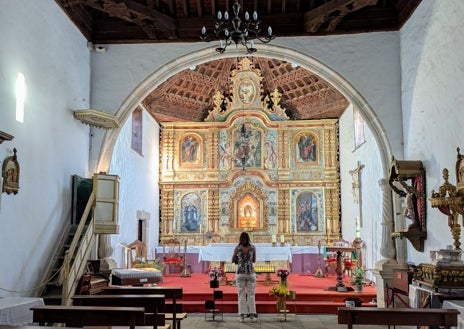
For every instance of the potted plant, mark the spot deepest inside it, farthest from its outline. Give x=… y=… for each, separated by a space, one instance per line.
x=358 y=279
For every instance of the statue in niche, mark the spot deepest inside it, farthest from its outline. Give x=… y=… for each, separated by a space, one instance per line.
x=248 y=210
x=306 y=210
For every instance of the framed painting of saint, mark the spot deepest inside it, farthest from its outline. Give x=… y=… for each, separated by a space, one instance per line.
x=247 y=148
x=190 y=150
x=307 y=212
x=306 y=148
x=191 y=213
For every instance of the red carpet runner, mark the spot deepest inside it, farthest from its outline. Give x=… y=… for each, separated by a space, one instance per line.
x=311 y=296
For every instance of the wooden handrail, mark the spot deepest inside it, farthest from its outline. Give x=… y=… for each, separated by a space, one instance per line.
x=76 y=257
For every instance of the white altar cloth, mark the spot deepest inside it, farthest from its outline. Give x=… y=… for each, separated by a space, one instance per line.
x=222 y=252
x=16 y=310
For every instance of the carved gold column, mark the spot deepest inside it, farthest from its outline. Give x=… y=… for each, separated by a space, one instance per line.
x=167 y=211
x=283 y=211
x=213 y=210
x=167 y=160
x=283 y=153
x=330 y=156
x=213 y=152
x=332 y=214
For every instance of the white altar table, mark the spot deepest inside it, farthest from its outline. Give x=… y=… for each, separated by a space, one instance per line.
x=222 y=252
x=16 y=310
x=458 y=305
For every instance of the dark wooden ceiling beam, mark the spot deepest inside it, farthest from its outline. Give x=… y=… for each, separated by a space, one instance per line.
x=79 y=16
x=332 y=12
x=151 y=21
x=405 y=8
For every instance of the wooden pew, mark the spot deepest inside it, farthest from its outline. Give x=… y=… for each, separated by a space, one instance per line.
x=398 y=316
x=153 y=304
x=172 y=311
x=80 y=316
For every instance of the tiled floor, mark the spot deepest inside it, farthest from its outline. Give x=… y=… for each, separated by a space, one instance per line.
x=271 y=321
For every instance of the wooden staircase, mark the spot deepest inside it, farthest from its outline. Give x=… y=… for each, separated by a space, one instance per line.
x=68 y=264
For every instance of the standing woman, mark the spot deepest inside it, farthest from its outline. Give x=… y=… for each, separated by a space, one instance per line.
x=245 y=257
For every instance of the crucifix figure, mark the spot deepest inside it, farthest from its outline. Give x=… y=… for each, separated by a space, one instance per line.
x=356 y=184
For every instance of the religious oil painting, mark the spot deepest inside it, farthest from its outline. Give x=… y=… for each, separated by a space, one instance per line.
x=225 y=155
x=247 y=148
x=358 y=124
x=306 y=148
x=270 y=155
x=190 y=152
x=191 y=213
x=307 y=212
x=10 y=174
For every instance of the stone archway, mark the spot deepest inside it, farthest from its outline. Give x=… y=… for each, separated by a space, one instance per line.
x=269 y=51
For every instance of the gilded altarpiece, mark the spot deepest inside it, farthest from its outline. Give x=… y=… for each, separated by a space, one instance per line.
x=248 y=167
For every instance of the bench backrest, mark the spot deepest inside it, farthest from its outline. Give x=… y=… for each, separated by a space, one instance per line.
x=172 y=293
x=168 y=292
x=398 y=316
x=80 y=316
x=152 y=304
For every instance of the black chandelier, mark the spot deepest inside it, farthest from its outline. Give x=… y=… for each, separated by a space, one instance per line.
x=232 y=31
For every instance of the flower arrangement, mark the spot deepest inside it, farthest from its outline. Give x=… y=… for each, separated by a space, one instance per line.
x=156 y=264
x=283 y=273
x=279 y=291
x=358 y=276
x=216 y=273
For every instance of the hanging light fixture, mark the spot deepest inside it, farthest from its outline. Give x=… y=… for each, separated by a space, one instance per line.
x=232 y=31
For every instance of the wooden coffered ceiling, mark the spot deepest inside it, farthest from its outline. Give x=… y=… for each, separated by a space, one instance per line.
x=187 y=96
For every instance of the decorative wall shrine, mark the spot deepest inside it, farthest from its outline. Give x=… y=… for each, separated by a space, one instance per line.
x=249 y=168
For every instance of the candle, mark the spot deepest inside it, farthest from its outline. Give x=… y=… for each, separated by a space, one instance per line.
x=274 y=238
x=325 y=252
x=358 y=228
x=282 y=238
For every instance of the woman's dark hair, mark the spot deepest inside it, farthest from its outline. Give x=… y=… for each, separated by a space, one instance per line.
x=244 y=239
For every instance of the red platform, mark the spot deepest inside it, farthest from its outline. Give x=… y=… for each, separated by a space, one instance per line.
x=311 y=296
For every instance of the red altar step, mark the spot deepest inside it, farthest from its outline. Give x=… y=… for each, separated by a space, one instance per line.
x=312 y=295
x=304 y=303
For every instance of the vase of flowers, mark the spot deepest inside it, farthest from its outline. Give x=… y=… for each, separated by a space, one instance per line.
x=283 y=273
x=215 y=275
x=282 y=293
x=279 y=291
